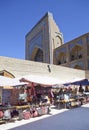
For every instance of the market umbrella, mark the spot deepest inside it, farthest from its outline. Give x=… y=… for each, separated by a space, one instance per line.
x=81 y=82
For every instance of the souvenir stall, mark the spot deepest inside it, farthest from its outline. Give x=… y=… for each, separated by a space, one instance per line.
x=39 y=89
x=72 y=95
x=33 y=99
x=83 y=90
x=8 y=97
x=64 y=97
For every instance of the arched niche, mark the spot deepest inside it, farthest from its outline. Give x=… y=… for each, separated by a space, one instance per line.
x=78 y=67
x=37 y=54
x=76 y=52
x=61 y=58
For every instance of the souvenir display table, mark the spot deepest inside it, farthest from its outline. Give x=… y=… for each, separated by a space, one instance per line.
x=76 y=100
x=64 y=103
x=12 y=113
x=22 y=107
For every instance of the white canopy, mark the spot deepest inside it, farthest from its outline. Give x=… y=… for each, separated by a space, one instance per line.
x=43 y=80
x=37 y=79
x=49 y=80
x=5 y=81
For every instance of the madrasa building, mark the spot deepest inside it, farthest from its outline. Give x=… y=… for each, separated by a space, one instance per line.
x=45 y=43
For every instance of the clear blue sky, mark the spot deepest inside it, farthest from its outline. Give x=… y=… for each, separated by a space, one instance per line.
x=17 y=17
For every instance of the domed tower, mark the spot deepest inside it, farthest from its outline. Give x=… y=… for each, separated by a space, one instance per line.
x=43 y=39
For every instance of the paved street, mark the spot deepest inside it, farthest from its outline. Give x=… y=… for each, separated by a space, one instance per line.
x=74 y=119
